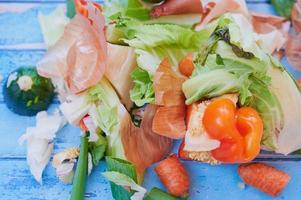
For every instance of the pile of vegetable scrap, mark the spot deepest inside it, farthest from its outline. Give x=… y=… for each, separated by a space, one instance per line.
x=137 y=75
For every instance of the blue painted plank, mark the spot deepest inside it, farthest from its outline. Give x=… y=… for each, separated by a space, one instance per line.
x=221 y=182
x=12 y=24
x=17 y=183
x=207 y=182
x=12 y=126
x=15 y=180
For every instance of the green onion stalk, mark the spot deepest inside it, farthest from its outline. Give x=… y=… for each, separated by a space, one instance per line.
x=79 y=180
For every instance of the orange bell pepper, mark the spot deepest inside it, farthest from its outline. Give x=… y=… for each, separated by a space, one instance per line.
x=239 y=131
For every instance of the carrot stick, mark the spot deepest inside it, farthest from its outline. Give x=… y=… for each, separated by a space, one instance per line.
x=174 y=176
x=264 y=177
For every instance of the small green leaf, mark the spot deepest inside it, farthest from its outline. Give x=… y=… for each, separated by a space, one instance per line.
x=283 y=7
x=123 y=167
x=156 y=194
x=71 y=12
x=97 y=149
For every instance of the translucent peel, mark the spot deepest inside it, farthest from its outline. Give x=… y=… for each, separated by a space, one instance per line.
x=167 y=86
x=79 y=57
x=221 y=7
x=39 y=138
x=141 y=145
x=121 y=61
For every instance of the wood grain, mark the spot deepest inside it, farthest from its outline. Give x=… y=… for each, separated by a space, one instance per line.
x=20 y=40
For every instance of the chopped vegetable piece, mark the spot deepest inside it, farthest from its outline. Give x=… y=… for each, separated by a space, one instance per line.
x=123 y=167
x=174 y=176
x=264 y=177
x=239 y=131
x=121 y=61
x=141 y=145
x=39 y=141
x=64 y=163
x=53 y=25
x=156 y=194
x=175 y=7
x=82 y=7
x=153 y=1
x=283 y=7
x=186 y=65
x=221 y=7
x=299 y=81
x=78 y=59
x=296 y=16
x=264 y=23
x=143 y=90
x=170 y=121
x=27 y=93
x=97 y=149
x=200 y=156
x=127 y=182
x=79 y=180
x=293 y=51
x=71 y=11
x=168 y=86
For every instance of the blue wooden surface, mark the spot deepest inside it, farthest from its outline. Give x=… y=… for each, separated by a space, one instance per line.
x=208 y=182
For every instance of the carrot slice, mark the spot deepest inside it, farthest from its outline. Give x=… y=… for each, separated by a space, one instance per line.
x=186 y=65
x=170 y=122
x=174 y=176
x=264 y=177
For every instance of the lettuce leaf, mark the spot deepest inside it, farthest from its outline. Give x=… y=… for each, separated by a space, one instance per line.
x=143 y=91
x=129 y=8
x=105 y=115
x=155 y=42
